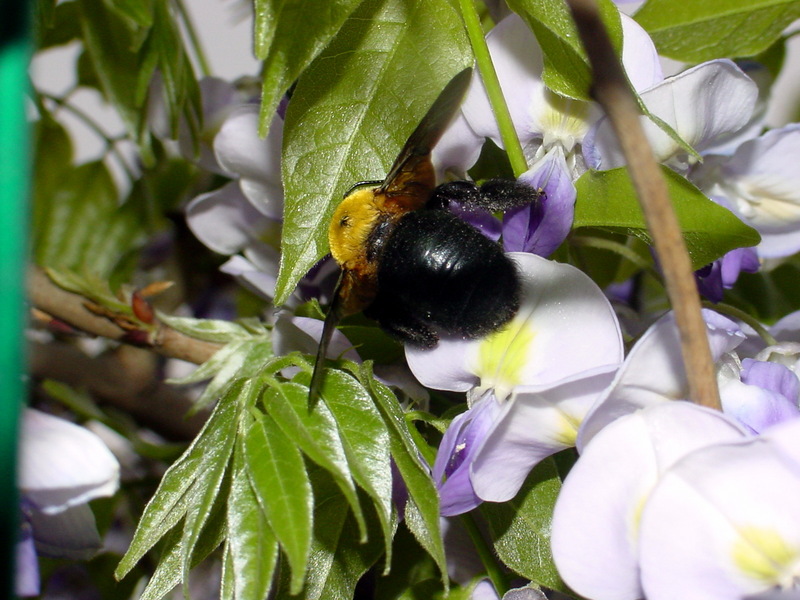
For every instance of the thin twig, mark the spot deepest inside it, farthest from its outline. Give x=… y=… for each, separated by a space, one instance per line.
x=612 y=90
x=71 y=309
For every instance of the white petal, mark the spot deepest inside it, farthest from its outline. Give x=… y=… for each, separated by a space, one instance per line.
x=762 y=182
x=653 y=370
x=724 y=523
x=518 y=61
x=596 y=518
x=68 y=534
x=224 y=220
x=565 y=326
x=539 y=422
x=242 y=152
x=702 y=104
x=260 y=282
x=639 y=55
x=62 y=464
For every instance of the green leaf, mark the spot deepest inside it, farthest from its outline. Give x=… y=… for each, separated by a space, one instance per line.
x=59 y=27
x=566 y=66
x=251 y=548
x=139 y=12
x=365 y=441
x=606 y=200
x=700 y=31
x=338 y=556
x=169 y=571
x=316 y=433
x=176 y=493
x=278 y=476
x=111 y=44
x=52 y=165
x=287 y=38
x=422 y=508
x=377 y=79
x=520 y=527
x=68 y=222
x=213 y=466
x=211 y=330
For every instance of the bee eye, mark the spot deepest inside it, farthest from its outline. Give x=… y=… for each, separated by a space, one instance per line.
x=344 y=221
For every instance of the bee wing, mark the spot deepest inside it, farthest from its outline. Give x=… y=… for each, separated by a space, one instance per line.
x=335 y=313
x=415 y=155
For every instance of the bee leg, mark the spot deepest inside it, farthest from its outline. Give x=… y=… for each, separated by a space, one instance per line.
x=494 y=195
x=463 y=192
x=504 y=194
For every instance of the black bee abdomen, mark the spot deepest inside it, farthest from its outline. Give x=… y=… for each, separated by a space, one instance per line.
x=438 y=275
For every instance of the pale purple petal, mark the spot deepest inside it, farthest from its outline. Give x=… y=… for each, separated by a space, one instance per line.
x=484 y=590
x=653 y=371
x=771 y=376
x=543 y=225
x=456 y=452
x=255 y=161
x=762 y=182
x=457 y=151
x=518 y=61
x=766 y=395
x=62 y=464
x=756 y=408
x=224 y=220
x=639 y=55
x=596 y=517
x=26 y=580
x=480 y=219
x=68 y=534
x=702 y=105
x=218 y=98
x=540 y=422
x=787 y=329
x=525 y=593
x=722 y=274
x=259 y=281
x=724 y=522
x=443 y=368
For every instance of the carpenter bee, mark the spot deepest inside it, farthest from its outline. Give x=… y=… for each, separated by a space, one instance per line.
x=408 y=262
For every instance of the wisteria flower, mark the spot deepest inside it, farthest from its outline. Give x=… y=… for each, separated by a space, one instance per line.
x=703 y=104
x=653 y=371
x=724 y=522
x=528 y=385
x=761 y=184
x=62 y=467
x=596 y=521
x=551 y=128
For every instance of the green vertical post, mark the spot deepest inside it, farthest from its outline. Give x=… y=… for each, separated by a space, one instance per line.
x=14 y=179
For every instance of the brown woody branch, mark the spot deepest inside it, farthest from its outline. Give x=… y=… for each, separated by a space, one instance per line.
x=72 y=309
x=612 y=90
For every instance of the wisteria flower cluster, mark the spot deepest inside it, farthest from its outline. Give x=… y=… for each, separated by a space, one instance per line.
x=329 y=455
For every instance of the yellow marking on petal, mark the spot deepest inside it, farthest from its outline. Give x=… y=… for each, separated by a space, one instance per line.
x=567 y=430
x=564 y=120
x=762 y=554
x=502 y=356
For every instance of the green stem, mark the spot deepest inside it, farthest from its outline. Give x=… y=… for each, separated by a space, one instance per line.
x=111 y=143
x=732 y=311
x=194 y=39
x=492 y=84
x=486 y=555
